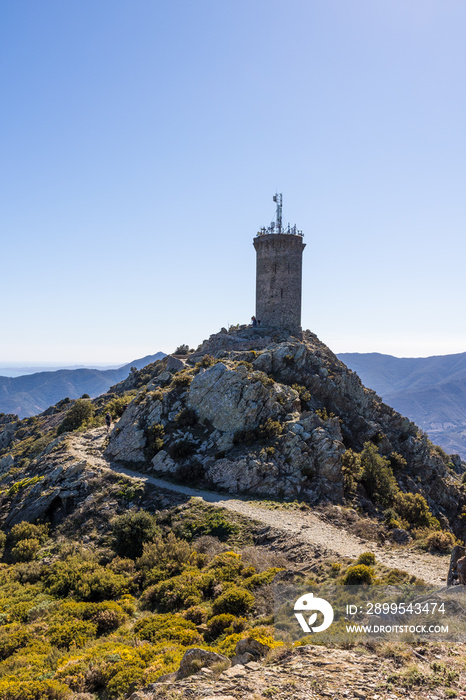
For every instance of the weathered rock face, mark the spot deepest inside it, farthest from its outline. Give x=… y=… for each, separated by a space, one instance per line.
x=128 y=439
x=232 y=399
x=273 y=416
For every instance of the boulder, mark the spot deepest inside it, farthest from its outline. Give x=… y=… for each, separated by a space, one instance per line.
x=174 y=364
x=127 y=440
x=247 y=650
x=195 y=659
x=232 y=400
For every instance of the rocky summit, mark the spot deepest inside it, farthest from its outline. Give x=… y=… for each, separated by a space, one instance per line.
x=273 y=414
x=140 y=559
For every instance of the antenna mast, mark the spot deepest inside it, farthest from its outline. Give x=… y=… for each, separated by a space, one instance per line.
x=277 y=226
x=278 y=198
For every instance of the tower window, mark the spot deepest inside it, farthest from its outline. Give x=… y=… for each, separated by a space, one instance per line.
x=281 y=293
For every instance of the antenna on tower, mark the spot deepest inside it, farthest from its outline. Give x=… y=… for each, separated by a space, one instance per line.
x=278 y=198
x=277 y=226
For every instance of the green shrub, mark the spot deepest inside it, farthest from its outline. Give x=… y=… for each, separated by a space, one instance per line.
x=397 y=462
x=226 y=623
x=26 y=531
x=186 y=418
x=206 y=361
x=86 y=580
x=154 y=440
x=351 y=470
x=12 y=638
x=377 y=475
x=235 y=600
x=265 y=431
x=441 y=541
x=413 y=508
x=116 y=406
x=262 y=579
x=304 y=395
x=77 y=417
x=271 y=428
x=357 y=575
x=177 y=592
x=131 y=530
x=25 y=550
x=182 y=448
x=169 y=554
x=167 y=628
x=226 y=566
x=72 y=632
x=212 y=523
x=367 y=558
x=182 y=379
x=13 y=689
x=182 y=349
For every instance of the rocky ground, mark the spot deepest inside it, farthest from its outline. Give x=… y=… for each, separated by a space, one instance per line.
x=314 y=672
x=299 y=527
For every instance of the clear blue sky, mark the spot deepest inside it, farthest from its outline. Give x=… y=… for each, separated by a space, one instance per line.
x=142 y=141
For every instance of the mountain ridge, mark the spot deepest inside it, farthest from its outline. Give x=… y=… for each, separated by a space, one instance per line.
x=431 y=391
x=30 y=394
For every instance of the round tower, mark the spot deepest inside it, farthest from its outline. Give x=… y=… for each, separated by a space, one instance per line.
x=279 y=273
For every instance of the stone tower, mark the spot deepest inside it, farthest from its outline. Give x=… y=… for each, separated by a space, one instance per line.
x=279 y=274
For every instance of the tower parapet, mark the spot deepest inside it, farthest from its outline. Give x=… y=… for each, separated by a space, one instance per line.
x=279 y=273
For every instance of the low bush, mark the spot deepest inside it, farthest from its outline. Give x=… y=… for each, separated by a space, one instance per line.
x=131 y=530
x=77 y=417
x=212 y=523
x=85 y=580
x=181 y=379
x=167 y=628
x=177 y=592
x=72 y=632
x=26 y=531
x=367 y=558
x=413 y=508
x=377 y=475
x=182 y=349
x=235 y=600
x=186 y=418
x=182 y=448
x=357 y=575
x=154 y=440
x=205 y=361
x=225 y=623
x=226 y=566
x=441 y=541
x=25 y=550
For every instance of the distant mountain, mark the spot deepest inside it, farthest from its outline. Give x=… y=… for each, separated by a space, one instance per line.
x=431 y=391
x=31 y=394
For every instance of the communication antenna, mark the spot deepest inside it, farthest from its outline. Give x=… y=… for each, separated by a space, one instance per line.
x=278 y=198
x=277 y=225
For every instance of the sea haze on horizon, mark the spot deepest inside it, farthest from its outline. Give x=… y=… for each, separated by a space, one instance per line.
x=18 y=370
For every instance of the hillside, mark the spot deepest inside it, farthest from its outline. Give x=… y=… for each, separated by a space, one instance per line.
x=31 y=394
x=142 y=563
x=431 y=391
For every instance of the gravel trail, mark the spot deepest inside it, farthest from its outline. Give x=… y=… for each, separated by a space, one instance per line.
x=308 y=527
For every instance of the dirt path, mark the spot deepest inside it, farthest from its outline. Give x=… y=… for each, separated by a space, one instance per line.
x=308 y=527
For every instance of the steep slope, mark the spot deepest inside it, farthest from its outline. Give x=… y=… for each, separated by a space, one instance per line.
x=282 y=416
x=124 y=572
x=431 y=391
x=31 y=394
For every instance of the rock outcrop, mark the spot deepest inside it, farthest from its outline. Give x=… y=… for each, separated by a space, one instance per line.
x=252 y=413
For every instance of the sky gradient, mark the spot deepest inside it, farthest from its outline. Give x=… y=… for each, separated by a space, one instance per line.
x=142 y=143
